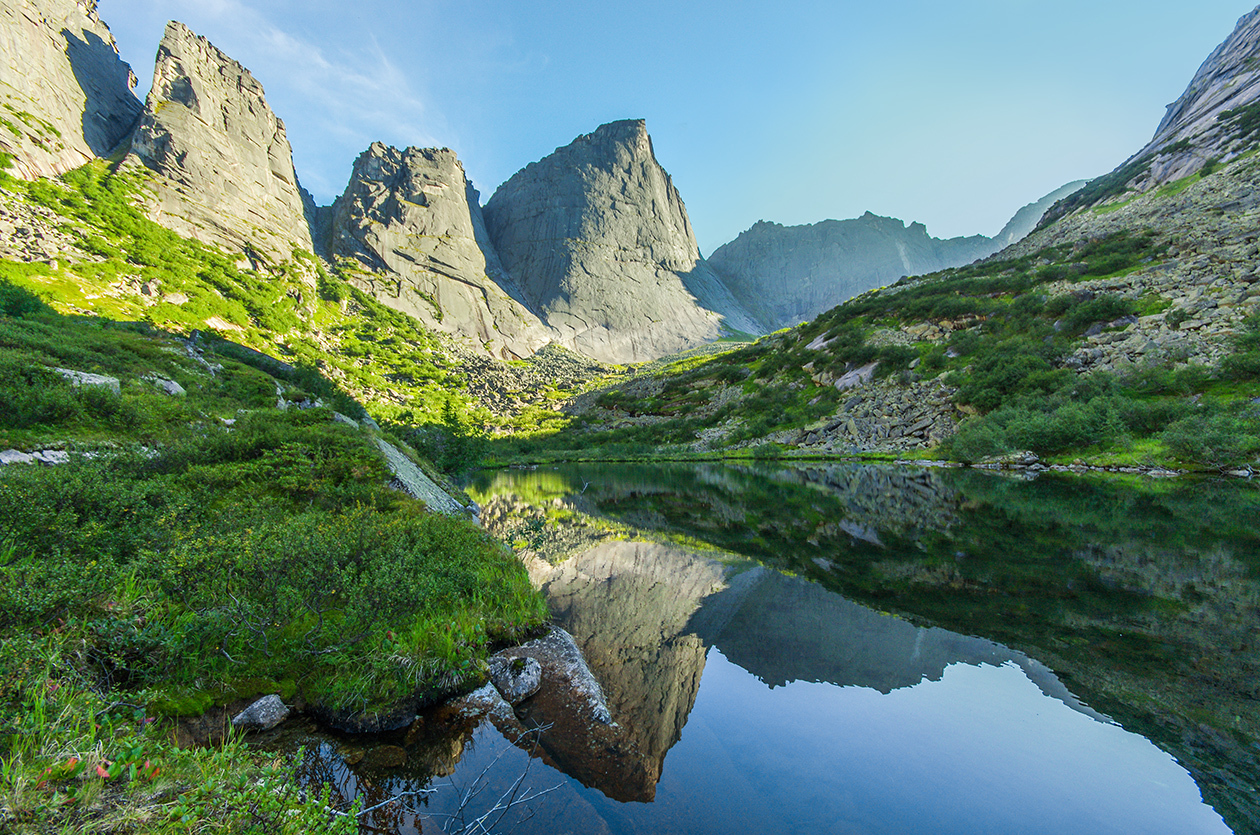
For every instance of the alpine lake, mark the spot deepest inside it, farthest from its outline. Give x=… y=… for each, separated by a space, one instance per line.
x=853 y=648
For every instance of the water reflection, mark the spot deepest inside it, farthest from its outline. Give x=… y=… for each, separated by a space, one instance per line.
x=860 y=649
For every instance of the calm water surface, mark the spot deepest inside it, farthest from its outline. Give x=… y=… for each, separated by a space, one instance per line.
x=855 y=649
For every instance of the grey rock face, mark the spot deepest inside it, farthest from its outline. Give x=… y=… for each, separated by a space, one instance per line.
x=65 y=94
x=599 y=241
x=1199 y=127
x=516 y=677
x=787 y=275
x=262 y=715
x=221 y=162
x=414 y=220
x=1229 y=79
x=411 y=479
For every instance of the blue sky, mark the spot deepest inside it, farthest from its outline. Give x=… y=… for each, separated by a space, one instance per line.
x=952 y=114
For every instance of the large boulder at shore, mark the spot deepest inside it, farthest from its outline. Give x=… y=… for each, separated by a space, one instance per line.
x=515 y=677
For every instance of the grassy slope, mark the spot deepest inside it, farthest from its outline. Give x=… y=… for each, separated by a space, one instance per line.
x=1003 y=359
x=185 y=562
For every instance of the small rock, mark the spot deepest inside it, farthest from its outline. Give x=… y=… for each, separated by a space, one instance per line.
x=385 y=756
x=517 y=677
x=83 y=378
x=51 y=457
x=262 y=715
x=170 y=387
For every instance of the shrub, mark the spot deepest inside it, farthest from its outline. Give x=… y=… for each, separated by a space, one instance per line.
x=1216 y=440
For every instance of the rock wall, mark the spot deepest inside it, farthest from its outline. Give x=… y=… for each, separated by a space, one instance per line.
x=65 y=95
x=786 y=275
x=221 y=165
x=628 y=605
x=1229 y=79
x=414 y=221
x=599 y=241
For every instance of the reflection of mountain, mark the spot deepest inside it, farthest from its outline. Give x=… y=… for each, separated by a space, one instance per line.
x=645 y=614
x=627 y=604
x=784 y=629
x=1145 y=600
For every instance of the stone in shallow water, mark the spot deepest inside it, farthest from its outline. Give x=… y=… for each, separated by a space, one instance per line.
x=262 y=715
x=516 y=677
x=385 y=756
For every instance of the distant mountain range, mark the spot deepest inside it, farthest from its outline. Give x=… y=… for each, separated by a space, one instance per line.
x=590 y=248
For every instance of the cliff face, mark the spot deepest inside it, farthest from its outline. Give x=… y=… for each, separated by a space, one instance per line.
x=65 y=93
x=1216 y=120
x=599 y=241
x=1203 y=116
x=786 y=275
x=414 y=220
x=222 y=169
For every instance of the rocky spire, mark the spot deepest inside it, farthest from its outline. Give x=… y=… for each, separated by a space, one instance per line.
x=221 y=163
x=598 y=239
x=414 y=220
x=65 y=95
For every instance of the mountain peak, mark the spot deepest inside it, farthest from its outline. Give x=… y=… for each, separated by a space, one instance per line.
x=59 y=68
x=219 y=158
x=599 y=240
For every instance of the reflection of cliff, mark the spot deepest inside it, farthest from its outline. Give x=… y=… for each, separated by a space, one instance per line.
x=627 y=604
x=784 y=629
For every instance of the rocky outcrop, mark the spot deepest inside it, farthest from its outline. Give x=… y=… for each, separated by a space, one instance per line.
x=221 y=165
x=598 y=240
x=413 y=221
x=411 y=480
x=786 y=275
x=65 y=95
x=1217 y=119
x=1203 y=116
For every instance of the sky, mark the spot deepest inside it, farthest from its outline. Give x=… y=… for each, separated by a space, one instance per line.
x=950 y=114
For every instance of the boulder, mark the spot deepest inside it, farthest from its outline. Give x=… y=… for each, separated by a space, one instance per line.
x=166 y=386
x=566 y=674
x=219 y=163
x=262 y=715
x=516 y=677
x=857 y=377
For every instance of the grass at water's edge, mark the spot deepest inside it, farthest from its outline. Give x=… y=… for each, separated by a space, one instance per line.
x=196 y=550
